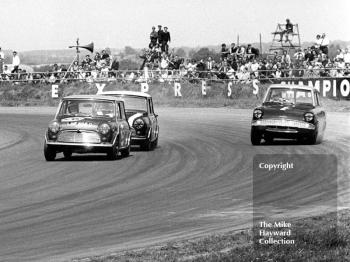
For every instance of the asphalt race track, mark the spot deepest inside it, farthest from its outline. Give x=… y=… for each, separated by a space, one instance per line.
x=198 y=181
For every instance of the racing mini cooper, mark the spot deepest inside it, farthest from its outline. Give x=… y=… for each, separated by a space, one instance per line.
x=289 y=112
x=88 y=124
x=141 y=117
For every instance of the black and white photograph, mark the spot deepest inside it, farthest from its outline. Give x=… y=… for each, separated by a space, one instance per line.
x=175 y=131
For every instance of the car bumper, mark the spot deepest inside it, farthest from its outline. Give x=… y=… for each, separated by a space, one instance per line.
x=283 y=128
x=138 y=139
x=79 y=147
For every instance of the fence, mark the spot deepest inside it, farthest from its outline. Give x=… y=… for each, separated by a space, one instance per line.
x=173 y=75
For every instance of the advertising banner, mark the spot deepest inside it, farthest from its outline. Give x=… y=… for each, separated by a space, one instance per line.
x=328 y=87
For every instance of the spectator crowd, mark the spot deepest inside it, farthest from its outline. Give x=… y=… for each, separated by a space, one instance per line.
x=101 y=66
x=240 y=63
x=244 y=63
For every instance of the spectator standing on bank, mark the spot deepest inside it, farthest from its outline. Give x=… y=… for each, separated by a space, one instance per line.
x=104 y=55
x=346 y=56
x=160 y=34
x=324 y=44
x=210 y=64
x=299 y=55
x=233 y=49
x=308 y=55
x=153 y=37
x=98 y=62
x=7 y=72
x=249 y=52
x=2 y=58
x=87 y=60
x=286 y=58
x=15 y=62
x=115 y=65
x=224 y=51
x=340 y=54
x=97 y=57
x=165 y=39
x=255 y=67
x=104 y=70
x=241 y=52
x=318 y=41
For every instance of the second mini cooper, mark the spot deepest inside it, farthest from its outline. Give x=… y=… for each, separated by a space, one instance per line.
x=141 y=117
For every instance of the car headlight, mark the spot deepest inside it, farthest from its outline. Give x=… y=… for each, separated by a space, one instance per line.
x=257 y=113
x=309 y=117
x=54 y=127
x=104 y=128
x=138 y=123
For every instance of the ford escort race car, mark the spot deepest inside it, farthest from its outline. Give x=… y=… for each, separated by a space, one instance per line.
x=291 y=112
x=88 y=124
x=141 y=117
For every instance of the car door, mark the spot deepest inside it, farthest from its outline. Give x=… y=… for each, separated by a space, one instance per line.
x=153 y=119
x=123 y=126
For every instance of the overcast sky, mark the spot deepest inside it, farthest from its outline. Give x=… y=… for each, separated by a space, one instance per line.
x=55 y=24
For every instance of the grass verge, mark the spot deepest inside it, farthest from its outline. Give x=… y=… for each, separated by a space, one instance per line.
x=317 y=241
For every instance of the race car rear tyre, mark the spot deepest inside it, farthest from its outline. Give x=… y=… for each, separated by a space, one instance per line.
x=255 y=137
x=49 y=152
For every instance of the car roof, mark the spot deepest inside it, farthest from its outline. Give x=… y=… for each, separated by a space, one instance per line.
x=292 y=86
x=125 y=93
x=92 y=97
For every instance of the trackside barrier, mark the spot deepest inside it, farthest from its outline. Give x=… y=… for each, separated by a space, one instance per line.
x=162 y=75
x=333 y=88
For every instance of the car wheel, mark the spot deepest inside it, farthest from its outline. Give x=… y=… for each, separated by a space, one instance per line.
x=155 y=143
x=255 y=137
x=113 y=153
x=67 y=154
x=49 y=153
x=125 y=152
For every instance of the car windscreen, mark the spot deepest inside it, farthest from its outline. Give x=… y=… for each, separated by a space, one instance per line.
x=289 y=96
x=134 y=103
x=87 y=108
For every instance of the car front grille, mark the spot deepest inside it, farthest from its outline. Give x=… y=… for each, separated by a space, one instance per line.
x=79 y=137
x=283 y=123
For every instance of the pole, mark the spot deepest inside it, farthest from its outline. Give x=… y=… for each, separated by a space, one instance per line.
x=237 y=40
x=260 y=44
x=76 y=58
x=77 y=48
